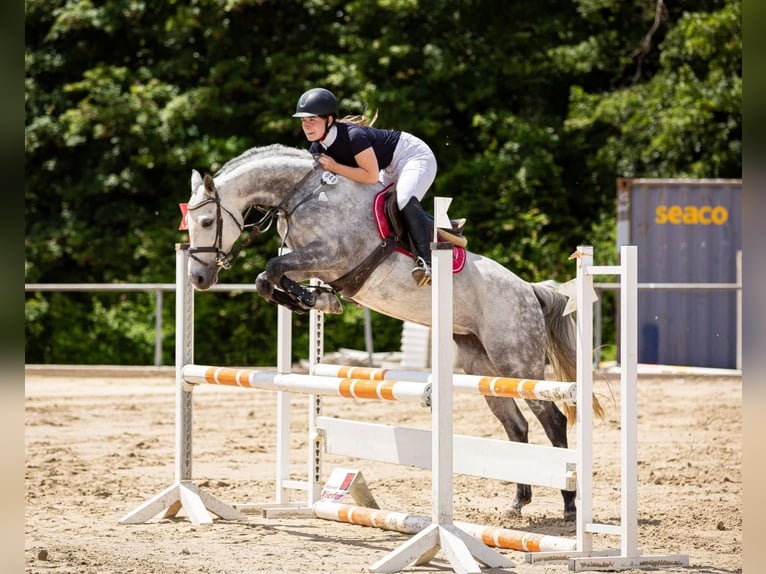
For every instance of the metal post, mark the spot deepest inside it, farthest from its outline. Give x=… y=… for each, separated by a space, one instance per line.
x=158 y=327
x=368 y=335
x=597 y=333
x=316 y=355
x=739 y=310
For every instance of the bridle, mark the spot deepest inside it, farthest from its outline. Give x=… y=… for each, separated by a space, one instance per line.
x=223 y=259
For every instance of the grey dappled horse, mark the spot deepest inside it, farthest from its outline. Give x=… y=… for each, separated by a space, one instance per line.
x=503 y=325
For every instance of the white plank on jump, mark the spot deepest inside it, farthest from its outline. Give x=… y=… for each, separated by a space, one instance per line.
x=489 y=458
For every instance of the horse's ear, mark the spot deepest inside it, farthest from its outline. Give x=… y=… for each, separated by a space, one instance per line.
x=209 y=183
x=196 y=180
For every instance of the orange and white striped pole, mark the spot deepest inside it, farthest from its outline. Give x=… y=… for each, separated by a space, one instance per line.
x=412 y=524
x=308 y=384
x=465 y=384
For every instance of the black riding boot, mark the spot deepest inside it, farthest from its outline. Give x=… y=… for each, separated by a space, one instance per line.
x=417 y=224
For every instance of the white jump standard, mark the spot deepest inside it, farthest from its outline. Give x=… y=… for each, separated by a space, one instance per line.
x=183 y=492
x=460 y=548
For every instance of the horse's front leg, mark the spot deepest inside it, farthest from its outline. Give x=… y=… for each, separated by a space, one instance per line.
x=274 y=284
x=275 y=296
x=517 y=429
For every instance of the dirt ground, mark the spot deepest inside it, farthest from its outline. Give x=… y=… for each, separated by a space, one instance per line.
x=98 y=446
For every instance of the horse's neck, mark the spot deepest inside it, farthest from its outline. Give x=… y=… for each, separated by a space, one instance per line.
x=262 y=184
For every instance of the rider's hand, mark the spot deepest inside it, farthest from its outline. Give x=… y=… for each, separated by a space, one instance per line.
x=327 y=163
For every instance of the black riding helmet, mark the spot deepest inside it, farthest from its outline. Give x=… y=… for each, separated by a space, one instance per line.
x=316 y=102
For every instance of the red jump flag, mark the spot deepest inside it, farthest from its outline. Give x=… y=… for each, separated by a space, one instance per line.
x=184 y=210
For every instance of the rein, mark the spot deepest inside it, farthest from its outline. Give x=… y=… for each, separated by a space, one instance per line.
x=282 y=210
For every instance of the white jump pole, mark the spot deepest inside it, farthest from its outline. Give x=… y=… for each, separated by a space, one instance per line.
x=461 y=383
x=494 y=536
x=404 y=391
x=459 y=547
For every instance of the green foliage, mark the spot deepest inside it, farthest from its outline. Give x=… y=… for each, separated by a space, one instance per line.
x=685 y=121
x=533 y=109
x=117 y=329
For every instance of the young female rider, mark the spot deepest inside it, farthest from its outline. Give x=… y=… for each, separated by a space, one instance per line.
x=364 y=154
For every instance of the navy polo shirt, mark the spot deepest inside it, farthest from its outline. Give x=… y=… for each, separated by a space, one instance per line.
x=350 y=139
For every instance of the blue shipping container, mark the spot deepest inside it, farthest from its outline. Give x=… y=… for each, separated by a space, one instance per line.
x=687 y=231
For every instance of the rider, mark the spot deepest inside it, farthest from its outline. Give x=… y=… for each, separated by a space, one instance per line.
x=352 y=148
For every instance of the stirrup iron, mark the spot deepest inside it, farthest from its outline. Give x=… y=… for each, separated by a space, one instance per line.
x=421 y=273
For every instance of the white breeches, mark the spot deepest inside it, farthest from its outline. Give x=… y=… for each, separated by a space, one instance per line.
x=413 y=169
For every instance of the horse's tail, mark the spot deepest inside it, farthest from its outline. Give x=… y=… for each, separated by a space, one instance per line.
x=561 y=342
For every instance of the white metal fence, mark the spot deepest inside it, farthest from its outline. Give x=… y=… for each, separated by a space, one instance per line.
x=159 y=289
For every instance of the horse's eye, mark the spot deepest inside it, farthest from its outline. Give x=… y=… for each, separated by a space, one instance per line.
x=206 y=222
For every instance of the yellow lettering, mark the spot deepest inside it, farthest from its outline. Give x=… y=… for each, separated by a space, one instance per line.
x=690 y=215
x=675 y=213
x=720 y=215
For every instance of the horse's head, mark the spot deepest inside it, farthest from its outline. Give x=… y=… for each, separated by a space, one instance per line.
x=214 y=227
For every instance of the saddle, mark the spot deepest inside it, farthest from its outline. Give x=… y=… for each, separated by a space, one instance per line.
x=396 y=225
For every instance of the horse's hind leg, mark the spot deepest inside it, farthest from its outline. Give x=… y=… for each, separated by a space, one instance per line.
x=517 y=429
x=554 y=423
x=474 y=360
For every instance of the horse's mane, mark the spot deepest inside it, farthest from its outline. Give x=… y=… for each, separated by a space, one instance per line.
x=262 y=151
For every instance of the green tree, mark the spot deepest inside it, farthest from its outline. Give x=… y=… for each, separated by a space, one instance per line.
x=684 y=119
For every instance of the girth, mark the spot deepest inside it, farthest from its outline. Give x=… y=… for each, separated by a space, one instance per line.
x=348 y=284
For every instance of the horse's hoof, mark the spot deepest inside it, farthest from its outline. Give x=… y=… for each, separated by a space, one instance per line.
x=510 y=516
x=570 y=515
x=518 y=503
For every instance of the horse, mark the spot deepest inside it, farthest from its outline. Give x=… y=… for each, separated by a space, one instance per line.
x=503 y=325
